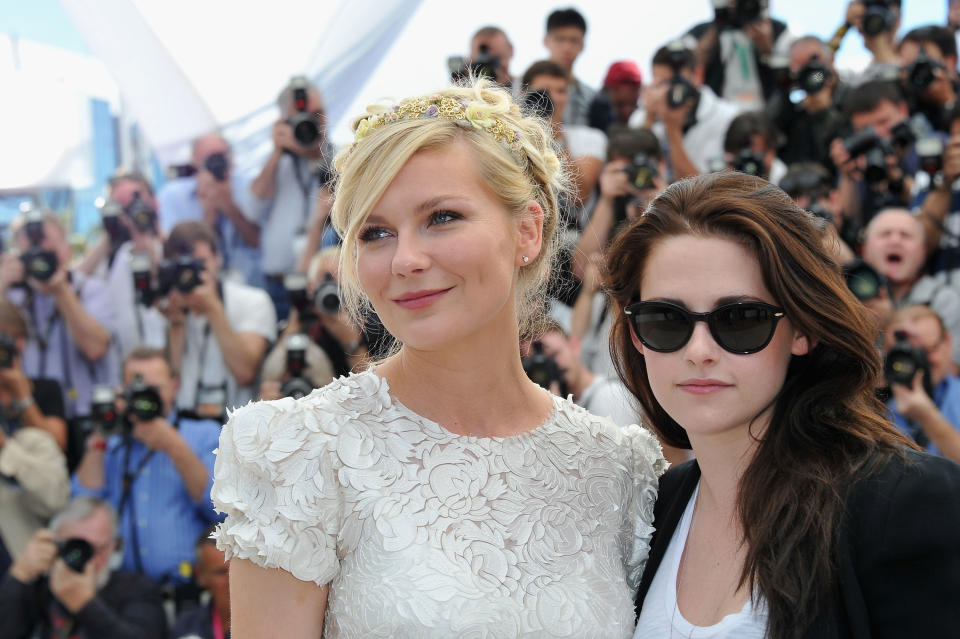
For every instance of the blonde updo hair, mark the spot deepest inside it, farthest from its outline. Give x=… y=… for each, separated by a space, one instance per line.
x=528 y=170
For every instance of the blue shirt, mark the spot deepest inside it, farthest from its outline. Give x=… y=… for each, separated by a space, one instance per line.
x=177 y=202
x=168 y=521
x=947 y=398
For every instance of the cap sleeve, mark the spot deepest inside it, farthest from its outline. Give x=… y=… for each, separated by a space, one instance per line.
x=646 y=463
x=276 y=479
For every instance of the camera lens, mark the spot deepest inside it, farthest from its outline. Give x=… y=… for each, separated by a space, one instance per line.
x=75 y=552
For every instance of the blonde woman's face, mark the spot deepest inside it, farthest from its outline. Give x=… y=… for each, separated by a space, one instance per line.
x=439 y=253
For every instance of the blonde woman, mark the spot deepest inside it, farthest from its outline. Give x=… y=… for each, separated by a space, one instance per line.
x=439 y=493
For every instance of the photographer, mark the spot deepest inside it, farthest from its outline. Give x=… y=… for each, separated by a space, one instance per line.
x=894 y=247
x=62 y=584
x=138 y=321
x=878 y=22
x=582 y=146
x=211 y=569
x=750 y=146
x=738 y=47
x=811 y=187
x=564 y=39
x=928 y=58
x=876 y=164
x=156 y=470
x=291 y=193
x=619 y=98
x=491 y=44
x=632 y=176
x=939 y=203
x=687 y=116
x=219 y=196
x=71 y=316
x=218 y=329
x=925 y=404
x=33 y=470
x=809 y=125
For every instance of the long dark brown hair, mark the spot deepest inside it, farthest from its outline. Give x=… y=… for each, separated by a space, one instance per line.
x=827 y=427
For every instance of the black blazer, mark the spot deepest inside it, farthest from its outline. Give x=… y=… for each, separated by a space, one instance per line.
x=899 y=550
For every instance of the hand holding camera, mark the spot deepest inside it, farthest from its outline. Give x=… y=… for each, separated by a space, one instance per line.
x=615 y=180
x=73 y=588
x=213 y=194
x=36 y=558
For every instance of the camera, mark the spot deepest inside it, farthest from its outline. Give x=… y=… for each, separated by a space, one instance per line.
x=326 y=299
x=680 y=90
x=297 y=386
x=182 y=273
x=742 y=13
x=103 y=410
x=218 y=165
x=483 y=65
x=904 y=361
x=930 y=155
x=75 y=552
x=642 y=171
x=296 y=285
x=750 y=162
x=866 y=142
x=879 y=17
x=140 y=266
x=143 y=215
x=922 y=72
x=306 y=129
x=143 y=400
x=543 y=370
x=813 y=76
x=863 y=280
x=38 y=263
x=110 y=213
x=539 y=103
x=8 y=351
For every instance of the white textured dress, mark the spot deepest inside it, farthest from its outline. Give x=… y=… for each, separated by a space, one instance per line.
x=424 y=533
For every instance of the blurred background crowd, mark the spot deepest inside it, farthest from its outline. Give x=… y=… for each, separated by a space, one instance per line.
x=211 y=280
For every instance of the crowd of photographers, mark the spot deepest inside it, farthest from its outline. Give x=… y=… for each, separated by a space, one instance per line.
x=117 y=368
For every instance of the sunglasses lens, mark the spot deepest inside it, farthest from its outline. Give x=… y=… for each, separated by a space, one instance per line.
x=743 y=328
x=662 y=328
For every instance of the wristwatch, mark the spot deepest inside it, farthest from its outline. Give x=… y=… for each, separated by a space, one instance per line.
x=17 y=406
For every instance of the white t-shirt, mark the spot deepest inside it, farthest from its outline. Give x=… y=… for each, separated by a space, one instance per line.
x=661 y=616
x=248 y=309
x=136 y=325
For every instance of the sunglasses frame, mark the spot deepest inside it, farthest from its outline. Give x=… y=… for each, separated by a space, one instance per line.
x=710 y=317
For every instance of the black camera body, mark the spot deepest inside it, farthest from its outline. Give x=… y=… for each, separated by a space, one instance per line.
x=863 y=280
x=866 y=142
x=680 y=90
x=218 y=165
x=813 y=76
x=539 y=102
x=75 y=552
x=903 y=362
x=878 y=17
x=116 y=230
x=103 y=411
x=921 y=73
x=543 y=370
x=8 y=351
x=143 y=216
x=750 y=162
x=930 y=155
x=306 y=129
x=143 y=400
x=297 y=385
x=482 y=65
x=326 y=299
x=38 y=263
x=642 y=171
x=182 y=273
x=742 y=13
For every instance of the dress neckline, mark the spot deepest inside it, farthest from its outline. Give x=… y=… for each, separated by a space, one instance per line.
x=542 y=426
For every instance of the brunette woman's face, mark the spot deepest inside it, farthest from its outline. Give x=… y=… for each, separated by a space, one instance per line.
x=439 y=253
x=713 y=393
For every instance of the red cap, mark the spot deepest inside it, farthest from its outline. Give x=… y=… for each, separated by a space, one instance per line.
x=623 y=72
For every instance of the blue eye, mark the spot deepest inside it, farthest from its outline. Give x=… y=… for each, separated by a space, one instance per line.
x=444 y=217
x=373 y=233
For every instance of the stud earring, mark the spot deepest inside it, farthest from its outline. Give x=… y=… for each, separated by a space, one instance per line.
x=525 y=259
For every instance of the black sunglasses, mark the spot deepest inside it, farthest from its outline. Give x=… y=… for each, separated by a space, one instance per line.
x=740 y=327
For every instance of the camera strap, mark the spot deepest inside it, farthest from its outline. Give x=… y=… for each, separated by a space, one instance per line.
x=305 y=187
x=128 y=479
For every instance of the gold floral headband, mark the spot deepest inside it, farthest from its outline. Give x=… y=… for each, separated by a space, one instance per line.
x=467 y=114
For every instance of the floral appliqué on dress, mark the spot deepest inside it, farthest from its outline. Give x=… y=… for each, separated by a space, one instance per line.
x=424 y=533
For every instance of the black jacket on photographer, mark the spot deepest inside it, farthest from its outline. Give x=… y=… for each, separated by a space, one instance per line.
x=127 y=607
x=807 y=136
x=718 y=59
